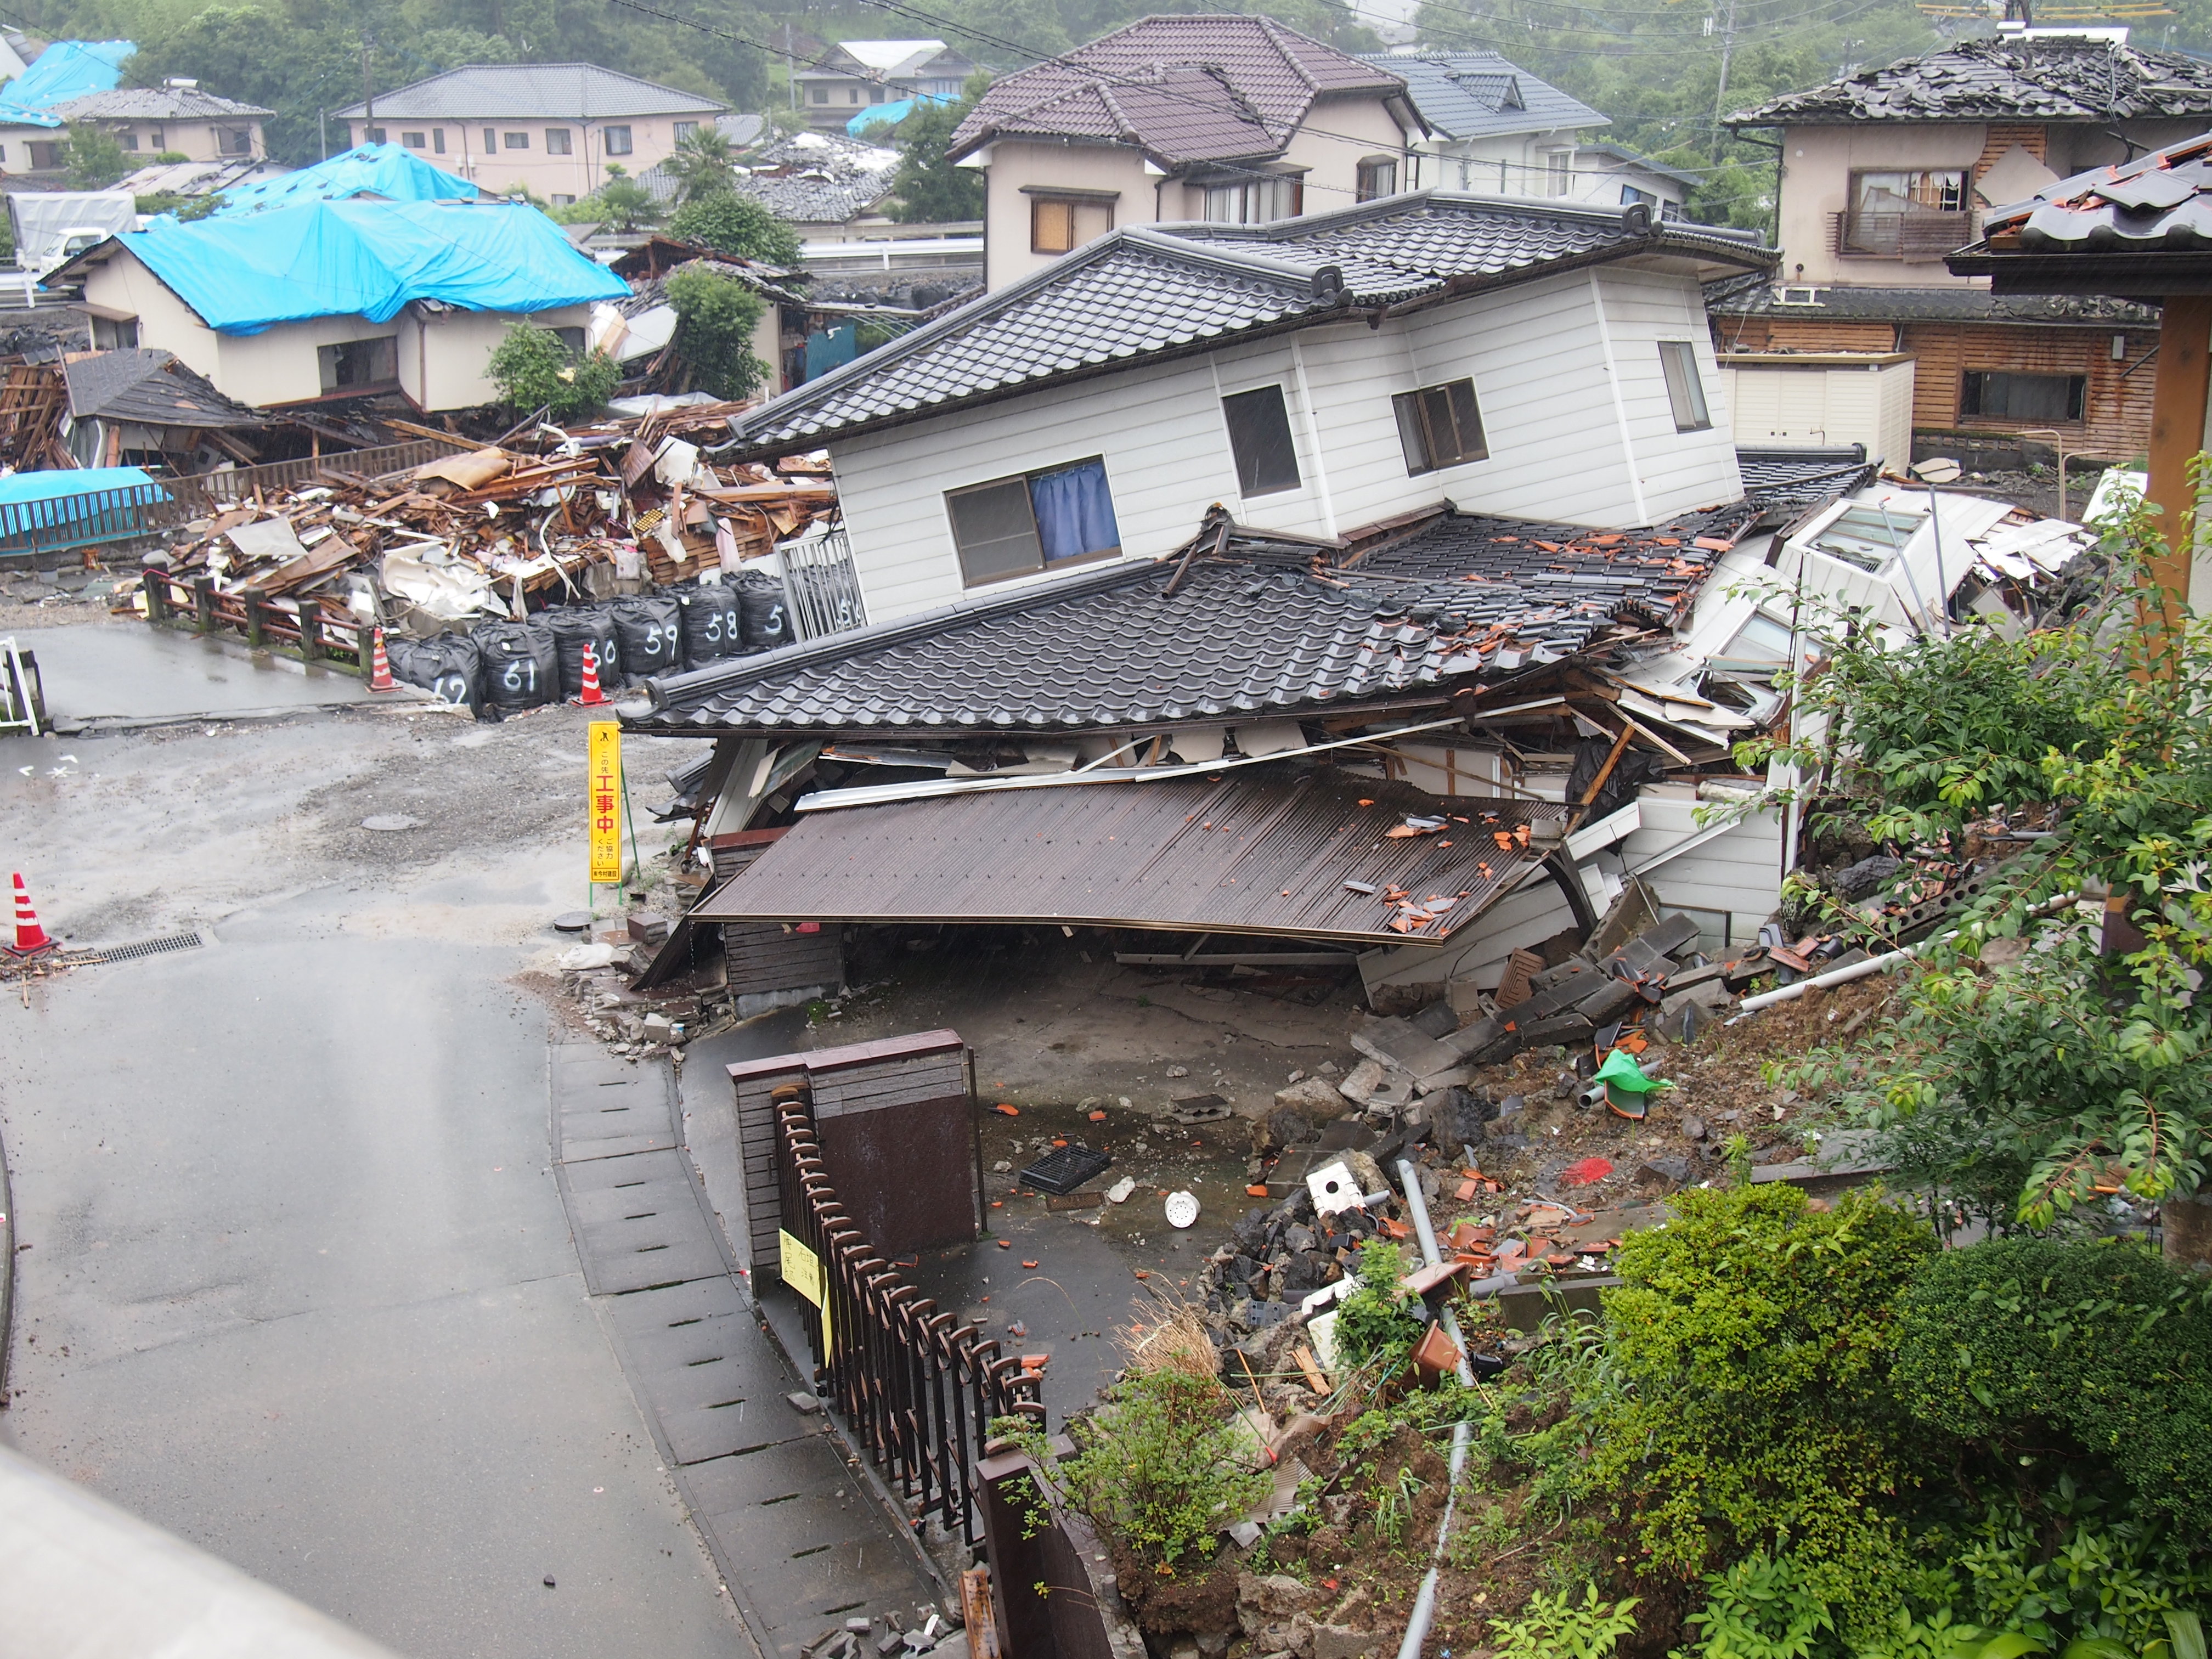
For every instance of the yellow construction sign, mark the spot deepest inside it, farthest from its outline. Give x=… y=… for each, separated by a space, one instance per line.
x=606 y=802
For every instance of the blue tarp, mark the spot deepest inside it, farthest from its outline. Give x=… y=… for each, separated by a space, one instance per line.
x=368 y=259
x=44 y=486
x=390 y=171
x=65 y=69
x=889 y=115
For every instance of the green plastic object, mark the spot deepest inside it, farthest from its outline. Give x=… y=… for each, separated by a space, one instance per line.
x=1621 y=1072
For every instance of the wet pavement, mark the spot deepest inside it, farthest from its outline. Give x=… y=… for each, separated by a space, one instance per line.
x=127 y=672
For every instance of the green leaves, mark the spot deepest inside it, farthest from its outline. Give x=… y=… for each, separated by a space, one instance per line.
x=1552 y=1627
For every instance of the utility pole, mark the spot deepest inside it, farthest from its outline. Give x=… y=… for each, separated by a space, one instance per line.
x=1720 y=91
x=367 y=86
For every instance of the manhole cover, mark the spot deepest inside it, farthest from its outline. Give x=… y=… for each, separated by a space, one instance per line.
x=572 y=921
x=391 y=821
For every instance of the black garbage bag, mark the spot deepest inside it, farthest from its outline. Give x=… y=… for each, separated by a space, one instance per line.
x=521 y=669
x=572 y=628
x=711 y=626
x=761 y=609
x=649 y=633
x=451 y=665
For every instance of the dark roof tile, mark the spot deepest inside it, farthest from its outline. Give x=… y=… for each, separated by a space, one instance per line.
x=2005 y=78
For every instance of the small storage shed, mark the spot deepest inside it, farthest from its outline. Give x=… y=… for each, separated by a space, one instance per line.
x=1822 y=400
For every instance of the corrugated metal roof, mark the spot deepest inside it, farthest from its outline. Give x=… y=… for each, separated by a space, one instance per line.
x=1479 y=95
x=2034 y=78
x=522 y=92
x=1264 y=851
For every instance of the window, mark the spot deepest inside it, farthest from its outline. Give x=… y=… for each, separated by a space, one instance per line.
x=238 y=141
x=1686 y=392
x=114 y=334
x=1630 y=195
x=559 y=200
x=572 y=340
x=614 y=140
x=1918 y=215
x=2006 y=397
x=557 y=141
x=491 y=139
x=1440 y=426
x=154 y=140
x=1559 y=172
x=852 y=94
x=1378 y=176
x=1260 y=438
x=128 y=138
x=1761 y=640
x=518 y=140
x=821 y=94
x=1255 y=202
x=371 y=135
x=413 y=140
x=683 y=129
x=1059 y=223
x=359 y=365
x=437 y=141
x=43 y=154
x=1869 y=536
x=1016 y=526
x=1942 y=190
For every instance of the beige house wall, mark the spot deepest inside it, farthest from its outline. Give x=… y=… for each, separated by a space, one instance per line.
x=197 y=140
x=583 y=170
x=1816 y=175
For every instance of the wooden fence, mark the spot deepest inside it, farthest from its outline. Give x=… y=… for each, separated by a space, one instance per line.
x=314 y=629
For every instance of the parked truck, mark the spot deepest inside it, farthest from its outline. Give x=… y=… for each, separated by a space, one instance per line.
x=52 y=227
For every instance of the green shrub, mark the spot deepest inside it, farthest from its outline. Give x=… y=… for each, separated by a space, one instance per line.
x=95 y=158
x=2081 y=1569
x=2096 y=1353
x=730 y=223
x=1159 y=1464
x=1381 y=1319
x=1552 y=1627
x=533 y=370
x=1761 y=1607
x=715 y=316
x=1750 y=1342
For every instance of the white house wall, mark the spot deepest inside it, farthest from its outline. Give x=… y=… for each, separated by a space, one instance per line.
x=1563 y=446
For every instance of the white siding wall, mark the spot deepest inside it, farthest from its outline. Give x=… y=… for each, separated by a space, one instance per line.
x=1545 y=359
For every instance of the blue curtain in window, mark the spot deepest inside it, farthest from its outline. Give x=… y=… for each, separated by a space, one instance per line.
x=1075 y=512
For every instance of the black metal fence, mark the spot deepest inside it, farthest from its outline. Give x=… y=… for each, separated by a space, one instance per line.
x=919 y=1390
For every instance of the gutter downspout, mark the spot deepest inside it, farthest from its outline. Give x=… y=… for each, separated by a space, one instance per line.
x=1425 y=1602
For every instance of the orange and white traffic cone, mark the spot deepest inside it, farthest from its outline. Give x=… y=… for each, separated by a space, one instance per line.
x=591 y=696
x=380 y=667
x=30 y=938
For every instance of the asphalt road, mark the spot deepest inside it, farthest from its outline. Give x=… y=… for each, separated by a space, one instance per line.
x=296 y=1282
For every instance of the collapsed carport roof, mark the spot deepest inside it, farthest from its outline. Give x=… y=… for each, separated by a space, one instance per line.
x=1264 y=851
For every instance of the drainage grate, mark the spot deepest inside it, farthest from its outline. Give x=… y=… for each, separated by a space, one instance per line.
x=145 y=947
x=1062 y=1171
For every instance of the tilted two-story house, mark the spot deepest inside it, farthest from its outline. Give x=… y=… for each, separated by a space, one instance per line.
x=1496 y=129
x=1234 y=119
x=1886 y=172
x=1549 y=362
x=853 y=76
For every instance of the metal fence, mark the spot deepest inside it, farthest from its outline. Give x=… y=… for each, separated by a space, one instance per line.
x=820 y=586
x=90 y=519
x=1919 y=238
x=919 y=1390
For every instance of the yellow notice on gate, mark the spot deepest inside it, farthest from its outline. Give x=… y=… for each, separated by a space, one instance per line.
x=606 y=802
x=802 y=1270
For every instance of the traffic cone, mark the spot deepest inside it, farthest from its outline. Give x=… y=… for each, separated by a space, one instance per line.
x=591 y=696
x=380 y=667
x=29 y=936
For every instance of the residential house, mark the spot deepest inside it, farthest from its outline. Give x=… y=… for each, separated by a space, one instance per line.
x=1544 y=361
x=334 y=299
x=830 y=187
x=1885 y=173
x=1231 y=119
x=387 y=173
x=1496 y=129
x=173 y=118
x=853 y=74
x=555 y=129
x=139 y=407
x=637 y=327
x=2138 y=231
x=198 y=178
x=31 y=135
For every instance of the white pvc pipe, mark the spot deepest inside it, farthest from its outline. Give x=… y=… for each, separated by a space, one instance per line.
x=1881 y=965
x=1425 y=1602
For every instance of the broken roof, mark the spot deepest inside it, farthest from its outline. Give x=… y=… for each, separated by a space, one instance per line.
x=2143 y=227
x=567 y=92
x=1263 y=851
x=817 y=178
x=148 y=387
x=1932 y=305
x=1479 y=95
x=1153 y=291
x=391 y=171
x=1257 y=624
x=1186 y=89
x=2005 y=78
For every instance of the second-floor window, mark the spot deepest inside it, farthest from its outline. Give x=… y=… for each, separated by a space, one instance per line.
x=238 y=141
x=1060 y=224
x=820 y=94
x=1440 y=426
x=1260 y=438
x=1559 y=173
x=1686 y=392
x=518 y=141
x=558 y=141
x=414 y=139
x=1378 y=176
x=128 y=138
x=1032 y=521
x=1919 y=214
x=1255 y=200
x=684 y=129
x=616 y=140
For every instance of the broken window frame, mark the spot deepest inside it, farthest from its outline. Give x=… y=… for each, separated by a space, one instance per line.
x=1019 y=531
x=1975 y=386
x=1686 y=387
x=349 y=369
x=1434 y=423
x=1261 y=441
x=1869 y=536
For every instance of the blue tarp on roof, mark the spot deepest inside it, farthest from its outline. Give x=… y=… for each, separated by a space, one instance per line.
x=65 y=69
x=889 y=115
x=390 y=171
x=368 y=259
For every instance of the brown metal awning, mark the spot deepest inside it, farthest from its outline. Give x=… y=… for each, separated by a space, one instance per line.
x=1242 y=853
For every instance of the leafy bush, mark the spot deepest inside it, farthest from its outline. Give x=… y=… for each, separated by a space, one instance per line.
x=1761 y=1607
x=715 y=316
x=1381 y=1319
x=533 y=370
x=2101 y=1348
x=1552 y=1627
x=1751 y=1340
x=729 y=223
x=1159 y=1463
x=95 y=157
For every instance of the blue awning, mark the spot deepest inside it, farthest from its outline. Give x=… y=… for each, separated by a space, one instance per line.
x=66 y=481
